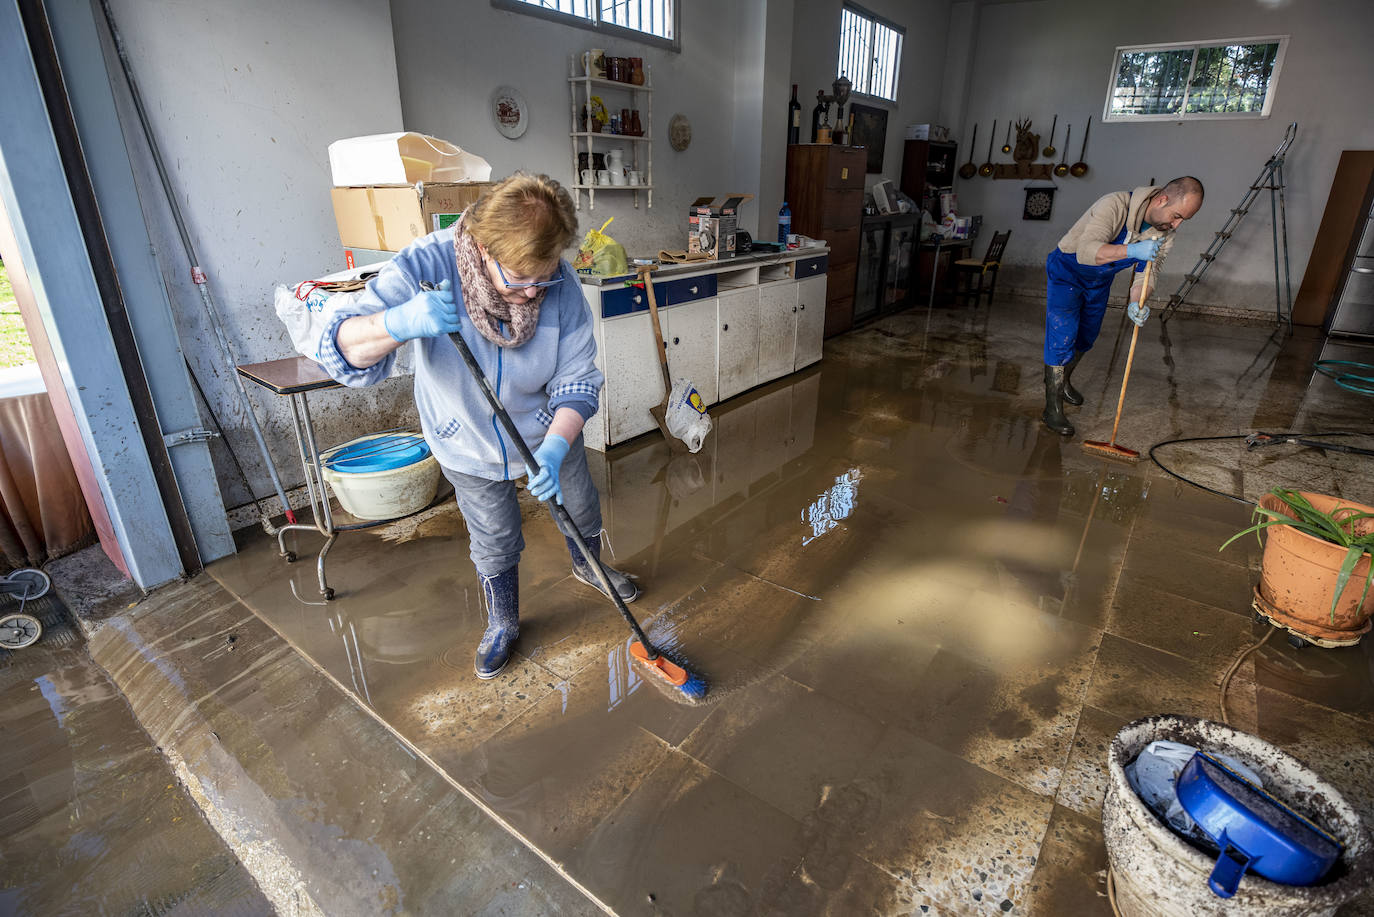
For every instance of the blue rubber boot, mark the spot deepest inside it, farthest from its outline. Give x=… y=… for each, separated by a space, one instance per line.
x=501 y=593
x=583 y=571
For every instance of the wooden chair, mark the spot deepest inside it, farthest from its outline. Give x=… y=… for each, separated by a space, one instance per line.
x=968 y=268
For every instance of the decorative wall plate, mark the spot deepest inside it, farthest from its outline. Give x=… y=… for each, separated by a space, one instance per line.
x=679 y=132
x=510 y=110
x=1039 y=203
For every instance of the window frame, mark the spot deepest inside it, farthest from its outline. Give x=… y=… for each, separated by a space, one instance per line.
x=1195 y=46
x=874 y=19
x=609 y=30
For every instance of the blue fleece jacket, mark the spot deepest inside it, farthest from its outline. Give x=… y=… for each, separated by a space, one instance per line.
x=553 y=369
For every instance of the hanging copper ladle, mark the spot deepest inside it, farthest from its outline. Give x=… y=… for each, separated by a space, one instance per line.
x=1006 y=144
x=986 y=168
x=1063 y=168
x=968 y=169
x=1049 y=151
x=1080 y=168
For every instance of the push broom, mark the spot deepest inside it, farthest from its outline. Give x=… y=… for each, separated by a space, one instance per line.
x=1110 y=449
x=678 y=683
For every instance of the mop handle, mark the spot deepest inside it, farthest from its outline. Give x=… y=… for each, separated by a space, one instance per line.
x=1130 y=355
x=560 y=512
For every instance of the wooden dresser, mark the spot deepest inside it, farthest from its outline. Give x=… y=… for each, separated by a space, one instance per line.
x=825 y=190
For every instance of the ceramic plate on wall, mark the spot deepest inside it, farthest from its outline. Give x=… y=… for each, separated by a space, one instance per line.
x=511 y=111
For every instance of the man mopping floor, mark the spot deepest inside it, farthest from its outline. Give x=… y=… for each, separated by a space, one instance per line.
x=1120 y=230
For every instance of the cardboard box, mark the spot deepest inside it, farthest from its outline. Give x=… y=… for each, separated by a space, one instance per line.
x=712 y=224
x=388 y=218
x=936 y=133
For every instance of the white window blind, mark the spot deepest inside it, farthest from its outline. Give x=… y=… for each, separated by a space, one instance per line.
x=1215 y=79
x=651 y=17
x=870 y=53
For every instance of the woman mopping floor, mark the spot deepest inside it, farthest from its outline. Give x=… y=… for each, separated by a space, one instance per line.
x=497 y=279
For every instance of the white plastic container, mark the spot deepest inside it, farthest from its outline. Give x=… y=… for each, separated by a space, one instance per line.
x=382 y=476
x=402 y=158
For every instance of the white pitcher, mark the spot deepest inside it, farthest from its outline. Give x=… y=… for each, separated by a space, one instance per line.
x=615 y=164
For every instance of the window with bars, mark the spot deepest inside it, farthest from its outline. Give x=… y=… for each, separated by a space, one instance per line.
x=870 y=53
x=1213 y=79
x=641 y=19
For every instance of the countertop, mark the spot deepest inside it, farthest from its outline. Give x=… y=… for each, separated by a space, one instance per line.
x=697 y=267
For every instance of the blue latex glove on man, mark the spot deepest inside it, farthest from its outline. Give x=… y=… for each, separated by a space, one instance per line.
x=1144 y=250
x=427 y=314
x=544 y=479
x=1138 y=312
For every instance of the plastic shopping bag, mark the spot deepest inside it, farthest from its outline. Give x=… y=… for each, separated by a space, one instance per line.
x=600 y=254
x=306 y=309
x=686 y=415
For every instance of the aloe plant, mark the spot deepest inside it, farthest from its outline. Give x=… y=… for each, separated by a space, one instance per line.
x=1336 y=527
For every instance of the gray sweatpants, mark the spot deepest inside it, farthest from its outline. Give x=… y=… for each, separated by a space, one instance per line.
x=492 y=511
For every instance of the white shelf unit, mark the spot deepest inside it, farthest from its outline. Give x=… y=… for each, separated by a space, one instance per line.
x=639 y=151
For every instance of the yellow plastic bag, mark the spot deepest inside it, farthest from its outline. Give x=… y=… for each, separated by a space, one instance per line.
x=600 y=254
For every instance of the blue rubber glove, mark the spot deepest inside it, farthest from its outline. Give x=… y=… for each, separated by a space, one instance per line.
x=1144 y=250
x=549 y=455
x=1138 y=312
x=427 y=314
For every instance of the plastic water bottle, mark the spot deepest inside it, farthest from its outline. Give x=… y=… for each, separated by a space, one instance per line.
x=784 y=224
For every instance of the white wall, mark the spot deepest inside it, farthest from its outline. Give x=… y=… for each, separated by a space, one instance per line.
x=816 y=54
x=446 y=86
x=1036 y=59
x=245 y=99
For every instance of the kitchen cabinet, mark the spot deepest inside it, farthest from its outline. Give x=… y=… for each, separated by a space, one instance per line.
x=588 y=144
x=728 y=326
x=737 y=342
x=927 y=169
x=825 y=190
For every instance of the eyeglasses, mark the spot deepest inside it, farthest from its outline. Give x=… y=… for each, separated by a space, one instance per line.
x=540 y=284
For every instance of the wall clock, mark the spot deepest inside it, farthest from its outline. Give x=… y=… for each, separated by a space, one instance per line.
x=1039 y=204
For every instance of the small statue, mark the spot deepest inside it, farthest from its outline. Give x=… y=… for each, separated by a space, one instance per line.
x=1027 y=148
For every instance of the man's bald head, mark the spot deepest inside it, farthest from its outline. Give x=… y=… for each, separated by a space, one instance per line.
x=1177 y=201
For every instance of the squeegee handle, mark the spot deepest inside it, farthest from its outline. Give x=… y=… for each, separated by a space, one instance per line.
x=1130 y=355
x=560 y=512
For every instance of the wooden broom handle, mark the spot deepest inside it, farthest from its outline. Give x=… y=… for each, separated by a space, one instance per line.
x=1130 y=354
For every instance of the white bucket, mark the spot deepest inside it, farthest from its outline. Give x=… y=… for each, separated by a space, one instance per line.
x=388 y=493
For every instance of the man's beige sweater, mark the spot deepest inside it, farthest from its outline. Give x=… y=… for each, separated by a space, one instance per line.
x=1103 y=221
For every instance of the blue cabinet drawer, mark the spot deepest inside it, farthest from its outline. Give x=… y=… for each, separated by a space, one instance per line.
x=811 y=267
x=626 y=300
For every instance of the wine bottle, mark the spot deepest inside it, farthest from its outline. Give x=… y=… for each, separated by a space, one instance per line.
x=794 y=118
x=820 y=111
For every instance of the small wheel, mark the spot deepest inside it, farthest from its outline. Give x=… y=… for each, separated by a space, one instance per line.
x=290 y=557
x=328 y=593
x=1259 y=618
x=1297 y=642
x=33 y=583
x=19 y=630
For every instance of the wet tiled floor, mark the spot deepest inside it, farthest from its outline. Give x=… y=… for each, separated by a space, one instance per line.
x=922 y=616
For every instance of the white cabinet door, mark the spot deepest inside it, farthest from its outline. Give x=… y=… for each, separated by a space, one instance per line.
x=777 y=329
x=634 y=382
x=738 y=361
x=690 y=334
x=810 y=320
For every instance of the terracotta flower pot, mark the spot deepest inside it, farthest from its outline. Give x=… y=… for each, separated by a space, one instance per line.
x=1298 y=576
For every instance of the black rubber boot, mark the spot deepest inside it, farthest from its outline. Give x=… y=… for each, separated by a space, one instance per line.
x=1054 y=401
x=1071 y=394
x=584 y=572
x=501 y=594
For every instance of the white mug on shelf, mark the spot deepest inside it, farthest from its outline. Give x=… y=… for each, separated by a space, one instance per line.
x=588 y=177
x=603 y=177
x=618 y=177
x=635 y=177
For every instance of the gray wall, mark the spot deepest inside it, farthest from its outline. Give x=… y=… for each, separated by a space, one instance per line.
x=815 y=58
x=245 y=99
x=1034 y=59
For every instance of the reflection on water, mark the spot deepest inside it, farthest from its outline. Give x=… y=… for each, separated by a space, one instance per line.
x=833 y=505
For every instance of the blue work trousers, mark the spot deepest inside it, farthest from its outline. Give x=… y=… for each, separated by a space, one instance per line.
x=492 y=511
x=1075 y=301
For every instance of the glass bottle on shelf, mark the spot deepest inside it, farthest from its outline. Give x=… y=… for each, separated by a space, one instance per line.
x=794 y=118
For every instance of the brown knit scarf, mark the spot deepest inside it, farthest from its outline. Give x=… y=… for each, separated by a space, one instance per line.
x=483 y=301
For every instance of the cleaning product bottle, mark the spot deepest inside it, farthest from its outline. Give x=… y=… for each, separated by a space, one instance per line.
x=784 y=224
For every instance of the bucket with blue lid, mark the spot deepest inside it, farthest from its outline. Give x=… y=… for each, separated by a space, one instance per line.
x=383 y=475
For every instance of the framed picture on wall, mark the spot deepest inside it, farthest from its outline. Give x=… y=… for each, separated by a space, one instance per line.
x=870 y=131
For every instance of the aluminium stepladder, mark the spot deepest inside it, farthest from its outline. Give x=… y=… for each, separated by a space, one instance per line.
x=1269 y=179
